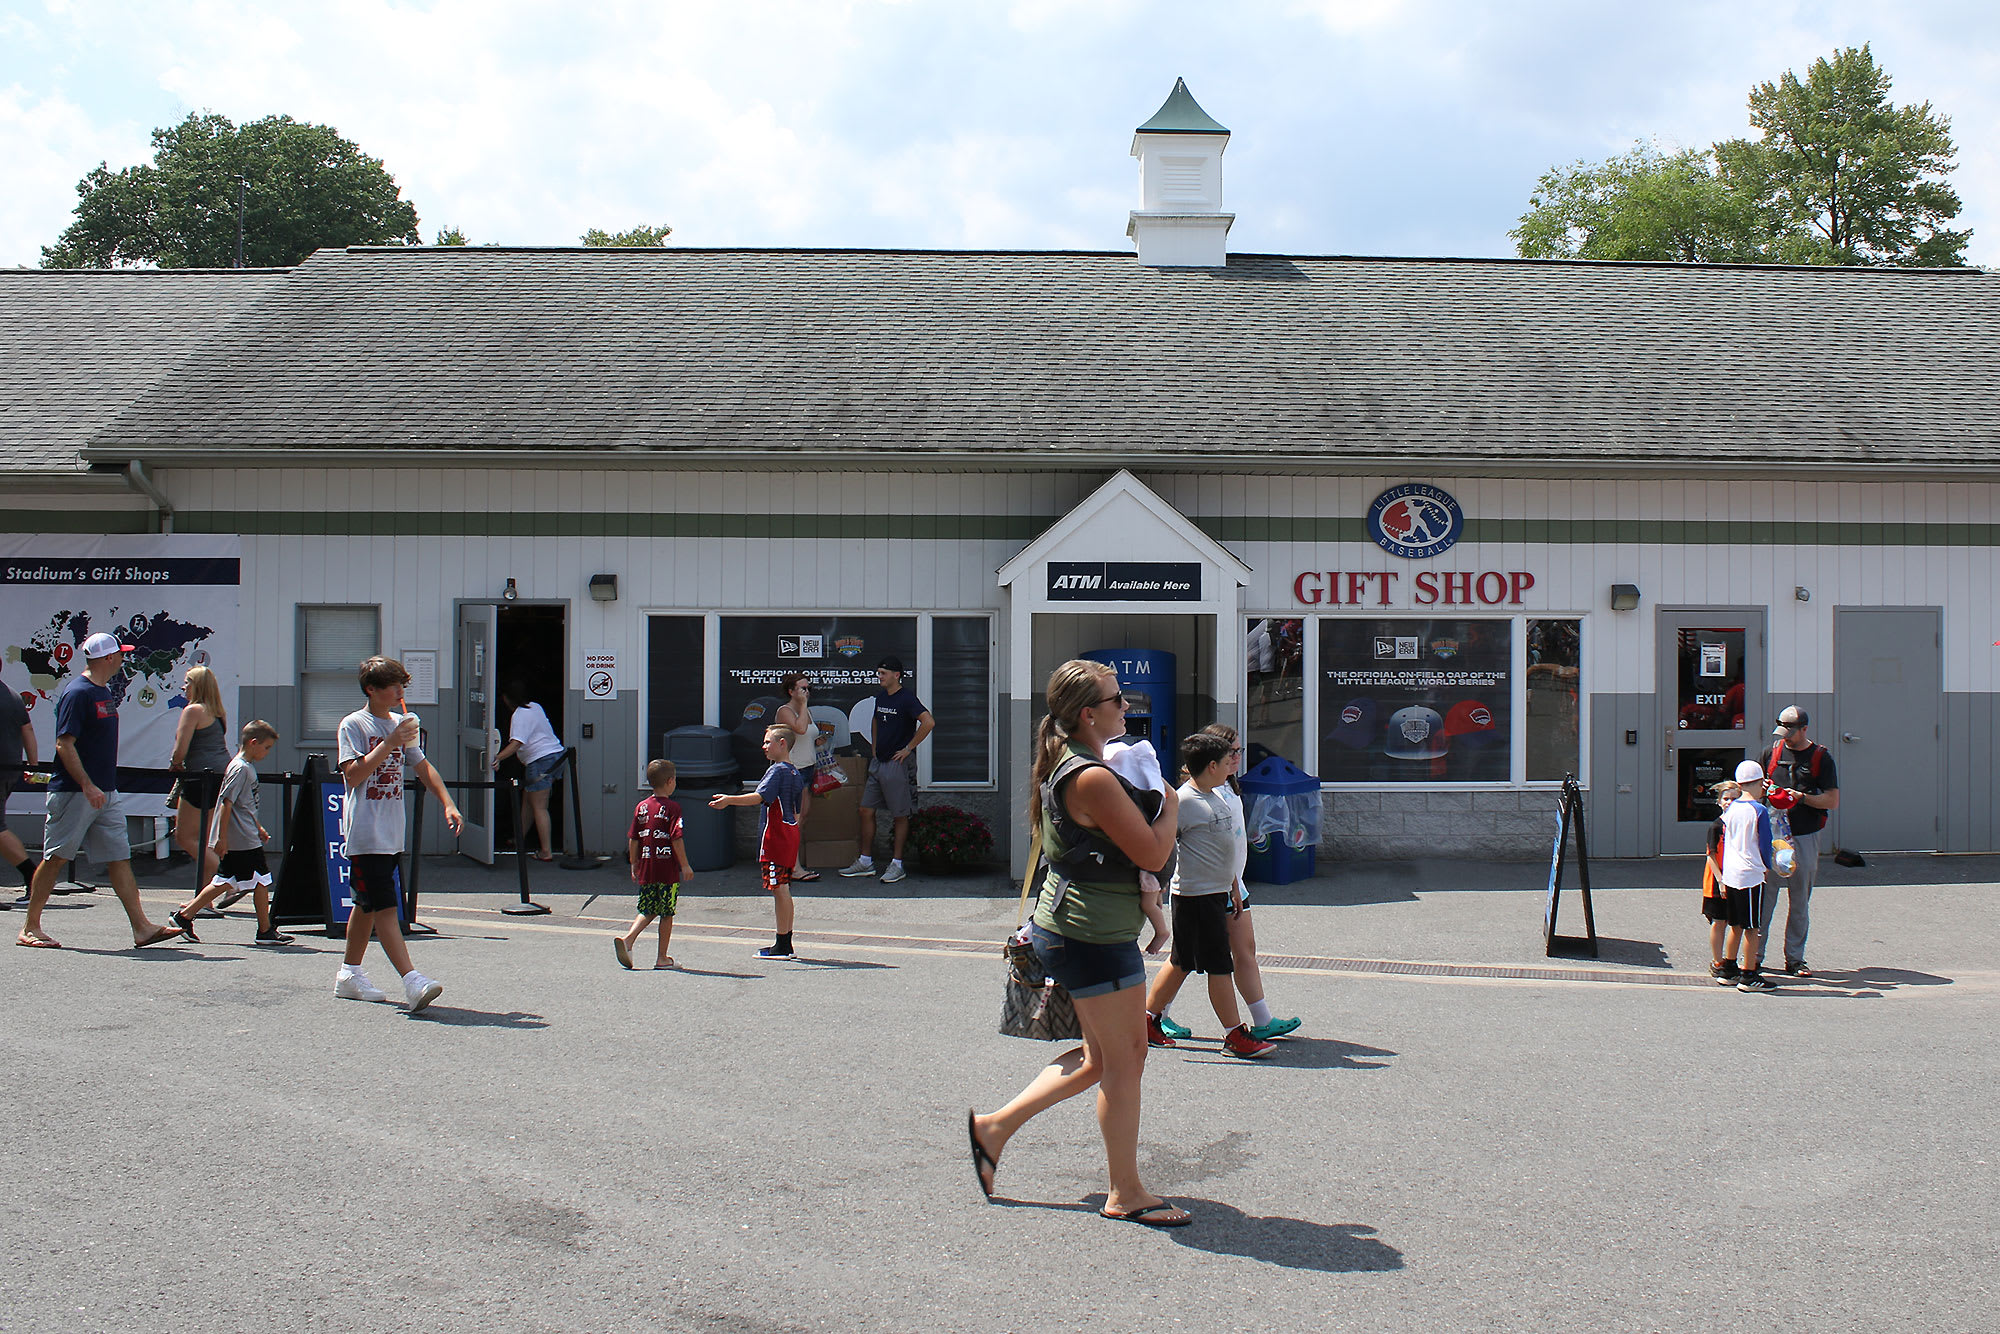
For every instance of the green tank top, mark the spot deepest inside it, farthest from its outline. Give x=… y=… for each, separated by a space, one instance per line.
x=1104 y=910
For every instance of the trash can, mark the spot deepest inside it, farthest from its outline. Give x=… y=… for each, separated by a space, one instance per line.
x=1281 y=817
x=703 y=766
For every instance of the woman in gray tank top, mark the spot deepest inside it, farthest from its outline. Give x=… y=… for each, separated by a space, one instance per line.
x=201 y=745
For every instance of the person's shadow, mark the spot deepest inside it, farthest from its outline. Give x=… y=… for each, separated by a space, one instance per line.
x=1292 y=1243
x=1854 y=983
x=444 y=1014
x=1299 y=1053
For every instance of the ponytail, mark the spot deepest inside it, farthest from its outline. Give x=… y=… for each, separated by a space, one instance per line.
x=1073 y=687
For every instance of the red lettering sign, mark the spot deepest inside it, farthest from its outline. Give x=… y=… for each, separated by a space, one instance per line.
x=1454 y=588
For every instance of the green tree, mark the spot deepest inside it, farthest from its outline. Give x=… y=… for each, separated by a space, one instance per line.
x=1842 y=174
x=1643 y=205
x=641 y=235
x=450 y=236
x=308 y=188
x=1838 y=176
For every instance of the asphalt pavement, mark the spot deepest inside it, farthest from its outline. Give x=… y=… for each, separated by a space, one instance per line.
x=1465 y=1133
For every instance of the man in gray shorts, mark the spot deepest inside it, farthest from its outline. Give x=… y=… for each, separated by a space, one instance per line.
x=84 y=815
x=900 y=724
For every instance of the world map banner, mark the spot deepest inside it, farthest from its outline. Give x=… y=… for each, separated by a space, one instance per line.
x=173 y=597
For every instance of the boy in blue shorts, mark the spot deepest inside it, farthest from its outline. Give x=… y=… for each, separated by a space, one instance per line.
x=659 y=860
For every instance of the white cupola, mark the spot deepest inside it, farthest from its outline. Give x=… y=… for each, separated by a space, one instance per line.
x=1179 y=222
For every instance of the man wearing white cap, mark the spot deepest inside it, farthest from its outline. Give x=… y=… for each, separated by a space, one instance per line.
x=83 y=811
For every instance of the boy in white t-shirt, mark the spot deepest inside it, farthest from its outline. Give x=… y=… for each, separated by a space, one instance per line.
x=1746 y=861
x=238 y=839
x=378 y=747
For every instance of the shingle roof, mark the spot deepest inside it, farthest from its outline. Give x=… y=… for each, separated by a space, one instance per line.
x=1048 y=358
x=79 y=345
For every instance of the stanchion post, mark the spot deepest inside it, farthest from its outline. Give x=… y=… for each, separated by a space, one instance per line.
x=579 y=860
x=207 y=793
x=416 y=861
x=527 y=907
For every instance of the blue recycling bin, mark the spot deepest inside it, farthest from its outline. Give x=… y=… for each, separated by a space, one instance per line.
x=1281 y=817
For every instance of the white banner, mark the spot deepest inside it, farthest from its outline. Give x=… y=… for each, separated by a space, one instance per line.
x=172 y=597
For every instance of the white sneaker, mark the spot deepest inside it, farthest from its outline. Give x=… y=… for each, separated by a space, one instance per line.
x=862 y=866
x=421 y=991
x=894 y=873
x=354 y=985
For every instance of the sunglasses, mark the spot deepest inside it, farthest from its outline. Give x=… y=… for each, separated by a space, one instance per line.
x=1118 y=698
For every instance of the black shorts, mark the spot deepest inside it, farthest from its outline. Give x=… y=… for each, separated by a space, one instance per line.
x=1716 y=907
x=244 y=866
x=373 y=878
x=1201 y=934
x=1742 y=907
x=199 y=792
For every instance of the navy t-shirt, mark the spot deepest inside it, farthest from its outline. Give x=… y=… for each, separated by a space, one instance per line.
x=895 y=720
x=87 y=711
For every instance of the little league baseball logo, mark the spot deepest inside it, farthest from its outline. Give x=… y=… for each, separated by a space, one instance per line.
x=1415 y=520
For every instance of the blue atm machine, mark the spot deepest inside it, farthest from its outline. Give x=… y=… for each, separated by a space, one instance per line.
x=1146 y=676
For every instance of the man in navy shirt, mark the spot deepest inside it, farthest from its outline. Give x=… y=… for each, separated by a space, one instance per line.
x=83 y=811
x=901 y=723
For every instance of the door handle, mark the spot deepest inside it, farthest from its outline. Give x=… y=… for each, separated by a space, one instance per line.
x=1849 y=737
x=1670 y=750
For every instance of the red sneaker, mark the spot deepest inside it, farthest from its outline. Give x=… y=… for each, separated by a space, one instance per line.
x=1156 y=1038
x=1238 y=1042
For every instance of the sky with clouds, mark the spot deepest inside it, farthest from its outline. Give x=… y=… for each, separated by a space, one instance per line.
x=1374 y=127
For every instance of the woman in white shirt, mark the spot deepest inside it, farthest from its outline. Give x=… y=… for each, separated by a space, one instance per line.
x=542 y=751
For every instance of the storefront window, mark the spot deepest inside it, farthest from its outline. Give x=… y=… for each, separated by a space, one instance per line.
x=839 y=652
x=961 y=699
x=1555 y=661
x=1275 y=702
x=674 y=692
x=1415 y=701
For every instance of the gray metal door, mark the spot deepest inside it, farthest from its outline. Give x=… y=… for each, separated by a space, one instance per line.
x=1888 y=707
x=478 y=733
x=1711 y=692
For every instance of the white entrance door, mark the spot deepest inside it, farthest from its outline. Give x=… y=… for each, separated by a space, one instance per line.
x=478 y=735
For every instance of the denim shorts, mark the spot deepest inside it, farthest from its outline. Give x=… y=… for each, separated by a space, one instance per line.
x=1087 y=970
x=541 y=775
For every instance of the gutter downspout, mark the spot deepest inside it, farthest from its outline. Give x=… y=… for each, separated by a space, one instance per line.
x=135 y=477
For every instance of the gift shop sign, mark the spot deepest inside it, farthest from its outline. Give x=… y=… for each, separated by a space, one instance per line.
x=1428 y=588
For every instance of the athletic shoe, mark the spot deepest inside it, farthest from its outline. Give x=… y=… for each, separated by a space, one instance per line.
x=861 y=866
x=421 y=991
x=21 y=902
x=1238 y=1042
x=1155 y=1037
x=1172 y=1029
x=1277 y=1028
x=1799 y=968
x=894 y=873
x=184 y=924
x=774 y=952
x=232 y=898
x=272 y=938
x=1754 y=981
x=1725 y=973
x=354 y=985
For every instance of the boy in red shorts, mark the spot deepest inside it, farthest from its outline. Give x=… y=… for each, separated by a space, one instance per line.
x=778 y=849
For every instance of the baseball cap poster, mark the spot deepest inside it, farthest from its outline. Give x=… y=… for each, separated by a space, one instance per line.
x=1415 y=701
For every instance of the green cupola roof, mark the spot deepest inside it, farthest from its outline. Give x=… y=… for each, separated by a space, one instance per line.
x=1181 y=114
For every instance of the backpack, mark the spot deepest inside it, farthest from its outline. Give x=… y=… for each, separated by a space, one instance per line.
x=1814 y=753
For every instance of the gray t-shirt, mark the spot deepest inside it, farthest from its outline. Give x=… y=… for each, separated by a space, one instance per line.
x=371 y=819
x=1210 y=831
x=241 y=786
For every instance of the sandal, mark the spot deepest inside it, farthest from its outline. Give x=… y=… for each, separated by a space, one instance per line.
x=1143 y=1215
x=982 y=1161
x=805 y=877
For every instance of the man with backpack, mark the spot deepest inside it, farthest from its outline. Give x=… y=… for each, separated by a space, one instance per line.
x=1802 y=766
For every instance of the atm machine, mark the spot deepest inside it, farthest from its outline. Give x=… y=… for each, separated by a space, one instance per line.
x=1147 y=678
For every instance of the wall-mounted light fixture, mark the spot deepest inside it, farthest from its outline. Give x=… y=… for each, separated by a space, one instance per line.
x=1624 y=597
x=1802 y=593
x=604 y=587
x=510 y=592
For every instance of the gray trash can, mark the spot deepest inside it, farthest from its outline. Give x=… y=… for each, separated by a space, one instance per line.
x=703 y=767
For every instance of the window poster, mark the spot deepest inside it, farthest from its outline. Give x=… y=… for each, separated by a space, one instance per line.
x=1410 y=701
x=838 y=653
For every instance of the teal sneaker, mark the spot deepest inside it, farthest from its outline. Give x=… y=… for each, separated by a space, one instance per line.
x=1174 y=1030
x=1277 y=1028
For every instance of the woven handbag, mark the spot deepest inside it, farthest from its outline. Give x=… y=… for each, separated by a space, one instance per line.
x=1034 y=1005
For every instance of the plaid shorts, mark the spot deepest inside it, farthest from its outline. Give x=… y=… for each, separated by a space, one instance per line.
x=774 y=876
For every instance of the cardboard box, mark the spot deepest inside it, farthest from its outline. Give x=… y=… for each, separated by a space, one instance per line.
x=837 y=815
x=832 y=853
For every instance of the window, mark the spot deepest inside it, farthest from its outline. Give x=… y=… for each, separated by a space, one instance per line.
x=838 y=652
x=1555 y=677
x=1275 y=701
x=1415 y=701
x=961 y=699
x=333 y=641
x=674 y=695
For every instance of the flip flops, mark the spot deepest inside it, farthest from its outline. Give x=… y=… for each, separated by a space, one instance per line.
x=805 y=878
x=622 y=950
x=981 y=1160
x=37 y=943
x=1143 y=1215
x=160 y=936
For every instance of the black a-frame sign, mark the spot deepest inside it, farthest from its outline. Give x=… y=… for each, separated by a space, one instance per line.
x=1569 y=822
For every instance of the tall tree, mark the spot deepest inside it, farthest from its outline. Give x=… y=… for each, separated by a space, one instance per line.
x=308 y=188
x=1844 y=175
x=1643 y=205
x=641 y=235
x=1838 y=176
